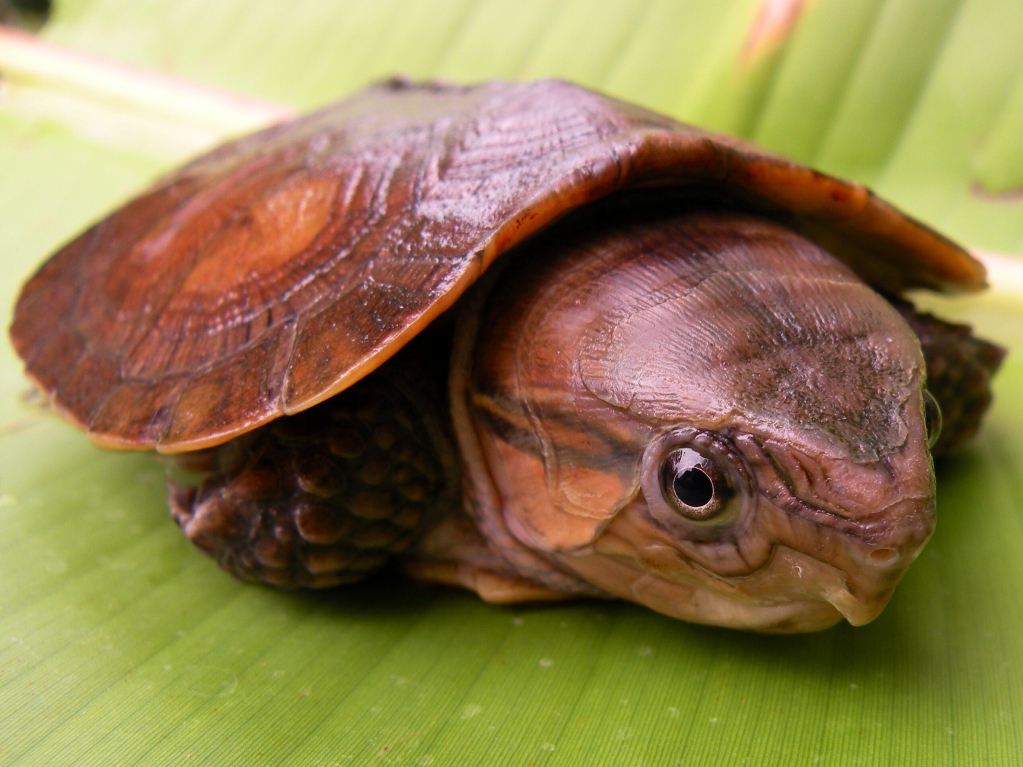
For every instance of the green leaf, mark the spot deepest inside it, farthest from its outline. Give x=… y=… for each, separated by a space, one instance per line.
x=121 y=645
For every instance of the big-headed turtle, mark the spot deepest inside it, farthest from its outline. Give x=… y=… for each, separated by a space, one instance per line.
x=699 y=390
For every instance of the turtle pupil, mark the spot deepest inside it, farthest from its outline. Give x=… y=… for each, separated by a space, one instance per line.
x=693 y=487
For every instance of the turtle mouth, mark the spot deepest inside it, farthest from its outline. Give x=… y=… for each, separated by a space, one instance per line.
x=774 y=599
x=869 y=537
x=876 y=566
x=792 y=592
x=858 y=612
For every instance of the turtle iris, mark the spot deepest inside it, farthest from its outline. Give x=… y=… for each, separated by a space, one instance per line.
x=693 y=485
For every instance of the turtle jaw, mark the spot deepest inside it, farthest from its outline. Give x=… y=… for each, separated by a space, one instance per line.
x=875 y=562
x=856 y=570
x=867 y=519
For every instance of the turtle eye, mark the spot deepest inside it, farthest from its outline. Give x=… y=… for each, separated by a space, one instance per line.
x=932 y=418
x=693 y=485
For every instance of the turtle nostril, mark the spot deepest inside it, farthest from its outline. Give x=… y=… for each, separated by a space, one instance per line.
x=883 y=556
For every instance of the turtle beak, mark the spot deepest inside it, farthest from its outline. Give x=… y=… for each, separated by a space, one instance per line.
x=870 y=521
x=877 y=561
x=858 y=612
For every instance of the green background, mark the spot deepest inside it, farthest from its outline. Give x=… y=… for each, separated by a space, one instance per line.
x=121 y=645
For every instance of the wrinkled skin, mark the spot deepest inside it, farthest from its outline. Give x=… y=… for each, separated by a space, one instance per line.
x=736 y=339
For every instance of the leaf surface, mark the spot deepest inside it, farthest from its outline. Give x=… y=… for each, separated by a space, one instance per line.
x=120 y=645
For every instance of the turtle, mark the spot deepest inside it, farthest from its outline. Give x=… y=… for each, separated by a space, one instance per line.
x=529 y=340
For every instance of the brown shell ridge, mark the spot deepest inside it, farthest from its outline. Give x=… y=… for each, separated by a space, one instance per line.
x=382 y=210
x=163 y=422
x=872 y=227
x=604 y=175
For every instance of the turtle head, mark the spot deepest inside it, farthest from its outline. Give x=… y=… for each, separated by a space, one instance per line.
x=708 y=415
x=736 y=529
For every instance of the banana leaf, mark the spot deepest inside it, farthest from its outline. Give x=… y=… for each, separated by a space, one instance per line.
x=120 y=645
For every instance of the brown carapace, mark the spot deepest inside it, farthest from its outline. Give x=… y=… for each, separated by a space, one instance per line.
x=690 y=381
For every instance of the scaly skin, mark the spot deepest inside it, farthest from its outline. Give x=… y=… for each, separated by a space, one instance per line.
x=329 y=495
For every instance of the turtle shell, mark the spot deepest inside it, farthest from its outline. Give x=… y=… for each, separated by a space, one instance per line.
x=278 y=269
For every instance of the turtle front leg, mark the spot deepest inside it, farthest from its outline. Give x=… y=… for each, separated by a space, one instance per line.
x=324 y=497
